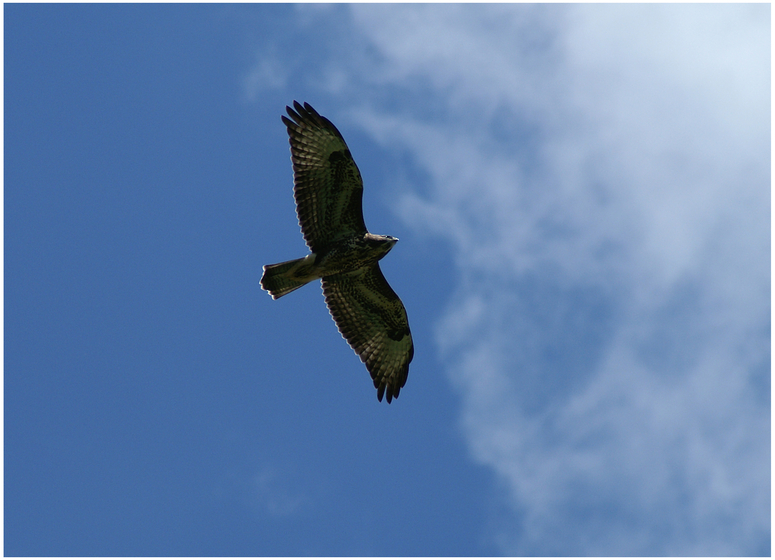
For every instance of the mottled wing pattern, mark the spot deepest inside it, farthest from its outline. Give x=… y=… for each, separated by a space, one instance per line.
x=327 y=184
x=373 y=320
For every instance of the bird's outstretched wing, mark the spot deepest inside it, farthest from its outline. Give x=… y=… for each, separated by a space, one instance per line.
x=327 y=184
x=373 y=320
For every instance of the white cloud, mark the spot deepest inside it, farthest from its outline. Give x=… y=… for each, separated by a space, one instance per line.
x=602 y=173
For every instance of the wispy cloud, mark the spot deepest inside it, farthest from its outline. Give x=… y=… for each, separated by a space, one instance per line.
x=271 y=494
x=266 y=74
x=602 y=174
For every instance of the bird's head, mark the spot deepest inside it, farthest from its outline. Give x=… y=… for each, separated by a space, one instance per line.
x=383 y=243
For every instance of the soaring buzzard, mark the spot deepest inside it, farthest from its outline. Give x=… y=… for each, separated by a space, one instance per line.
x=328 y=190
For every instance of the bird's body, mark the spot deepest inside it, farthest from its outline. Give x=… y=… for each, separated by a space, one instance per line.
x=328 y=190
x=344 y=255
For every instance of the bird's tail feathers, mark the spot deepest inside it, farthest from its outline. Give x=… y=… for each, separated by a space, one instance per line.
x=282 y=278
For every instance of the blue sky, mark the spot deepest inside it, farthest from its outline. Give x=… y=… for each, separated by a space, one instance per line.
x=582 y=198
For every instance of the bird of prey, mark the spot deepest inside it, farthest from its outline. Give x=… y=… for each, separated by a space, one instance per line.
x=328 y=191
